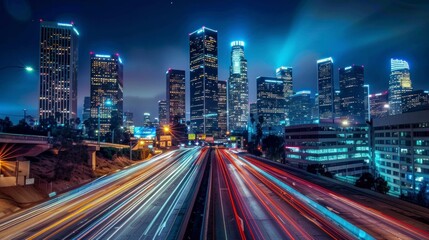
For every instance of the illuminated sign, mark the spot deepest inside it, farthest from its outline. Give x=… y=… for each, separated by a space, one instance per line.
x=165 y=138
x=201 y=136
x=233 y=138
x=102 y=55
x=347 y=68
x=65 y=24
x=191 y=136
x=329 y=59
x=144 y=132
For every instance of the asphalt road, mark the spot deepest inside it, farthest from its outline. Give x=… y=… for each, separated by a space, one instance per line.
x=145 y=201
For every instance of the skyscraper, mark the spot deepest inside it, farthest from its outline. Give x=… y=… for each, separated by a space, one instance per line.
x=86 y=113
x=58 y=71
x=337 y=104
x=285 y=73
x=379 y=104
x=162 y=112
x=222 y=103
x=352 y=94
x=413 y=101
x=325 y=80
x=271 y=104
x=129 y=122
x=238 y=89
x=175 y=96
x=203 y=80
x=399 y=83
x=300 y=107
x=367 y=106
x=106 y=89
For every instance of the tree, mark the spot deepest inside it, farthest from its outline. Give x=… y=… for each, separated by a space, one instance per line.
x=365 y=181
x=381 y=186
x=273 y=147
x=421 y=195
x=319 y=169
x=5 y=124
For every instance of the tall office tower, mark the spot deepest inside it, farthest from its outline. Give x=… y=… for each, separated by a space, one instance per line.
x=238 y=89
x=325 y=83
x=222 y=112
x=254 y=111
x=379 y=105
x=300 y=108
x=203 y=80
x=175 y=96
x=315 y=111
x=86 y=113
x=337 y=104
x=128 y=120
x=58 y=71
x=413 y=101
x=271 y=104
x=106 y=89
x=367 y=107
x=285 y=73
x=399 y=83
x=352 y=94
x=162 y=110
x=162 y=113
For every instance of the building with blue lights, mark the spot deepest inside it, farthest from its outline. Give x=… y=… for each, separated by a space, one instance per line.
x=399 y=83
x=367 y=103
x=203 y=81
x=238 y=90
x=162 y=113
x=271 y=104
x=58 y=71
x=401 y=147
x=223 y=108
x=106 y=89
x=352 y=94
x=285 y=73
x=300 y=108
x=342 y=149
x=379 y=104
x=413 y=101
x=325 y=84
x=175 y=96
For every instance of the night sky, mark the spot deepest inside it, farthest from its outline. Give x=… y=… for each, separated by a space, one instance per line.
x=152 y=36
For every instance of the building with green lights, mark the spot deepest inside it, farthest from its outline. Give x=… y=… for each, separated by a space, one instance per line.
x=401 y=149
x=342 y=149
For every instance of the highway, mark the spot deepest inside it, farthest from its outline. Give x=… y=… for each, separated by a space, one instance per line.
x=257 y=210
x=146 y=201
x=377 y=224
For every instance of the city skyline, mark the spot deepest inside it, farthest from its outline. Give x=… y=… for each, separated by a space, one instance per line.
x=266 y=54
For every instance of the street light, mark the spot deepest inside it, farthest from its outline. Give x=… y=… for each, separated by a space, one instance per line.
x=166 y=129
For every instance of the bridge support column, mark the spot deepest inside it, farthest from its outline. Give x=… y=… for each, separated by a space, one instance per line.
x=92 y=156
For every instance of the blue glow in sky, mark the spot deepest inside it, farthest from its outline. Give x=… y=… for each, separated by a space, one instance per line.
x=153 y=36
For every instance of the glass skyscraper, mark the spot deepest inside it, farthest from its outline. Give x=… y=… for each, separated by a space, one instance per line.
x=162 y=113
x=325 y=80
x=175 y=96
x=399 y=83
x=379 y=104
x=352 y=94
x=238 y=89
x=106 y=89
x=222 y=112
x=203 y=80
x=285 y=73
x=413 y=101
x=58 y=71
x=271 y=104
x=300 y=108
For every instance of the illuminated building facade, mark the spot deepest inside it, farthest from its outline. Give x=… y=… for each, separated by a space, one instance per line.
x=203 y=80
x=238 y=89
x=162 y=113
x=222 y=103
x=379 y=104
x=415 y=101
x=106 y=89
x=58 y=51
x=86 y=113
x=300 y=107
x=337 y=104
x=399 y=83
x=175 y=96
x=129 y=122
x=402 y=152
x=342 y=149
x=271 y=104
x=352 y=95
x=285 y=73
x=366 y=101
x=325 y=80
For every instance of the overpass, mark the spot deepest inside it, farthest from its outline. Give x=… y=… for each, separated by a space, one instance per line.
x=13 y=147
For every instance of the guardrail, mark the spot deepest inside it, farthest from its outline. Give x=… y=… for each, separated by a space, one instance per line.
x=11 y=136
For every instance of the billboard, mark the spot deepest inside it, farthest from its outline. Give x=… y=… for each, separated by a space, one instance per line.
x=144 y=132
x=191 y=136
